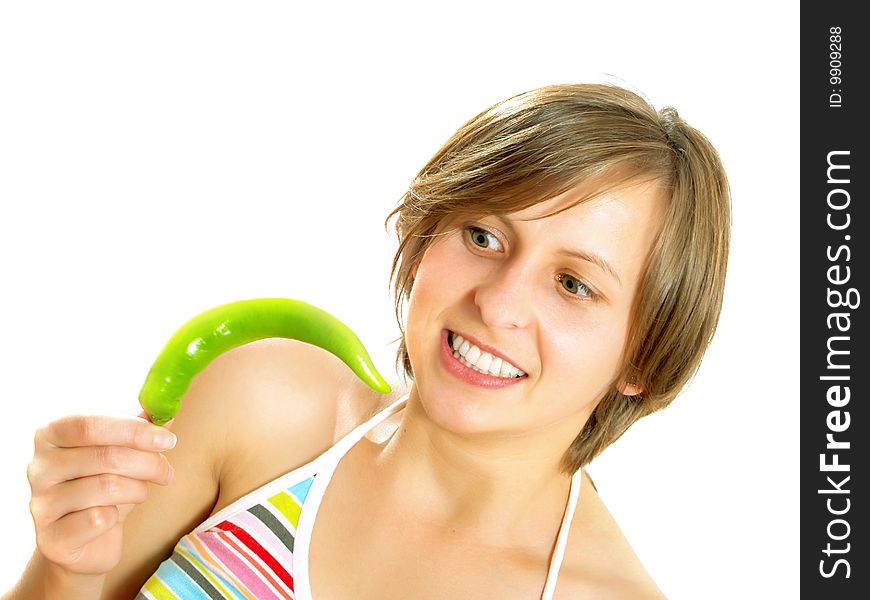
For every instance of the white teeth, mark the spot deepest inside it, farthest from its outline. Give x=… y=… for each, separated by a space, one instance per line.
x=484 y=362
x=506 y=370
x=472 y=355
x=495 y=367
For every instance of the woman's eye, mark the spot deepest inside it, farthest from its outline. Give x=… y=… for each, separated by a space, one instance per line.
x=483 y=239
x=574 y=286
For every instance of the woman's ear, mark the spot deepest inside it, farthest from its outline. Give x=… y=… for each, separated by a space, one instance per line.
x=629 y=387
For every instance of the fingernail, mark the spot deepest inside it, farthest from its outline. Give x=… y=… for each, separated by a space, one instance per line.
x=170 y=473
x=164 y=439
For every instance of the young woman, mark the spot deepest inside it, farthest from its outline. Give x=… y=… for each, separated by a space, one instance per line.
x=562 y=258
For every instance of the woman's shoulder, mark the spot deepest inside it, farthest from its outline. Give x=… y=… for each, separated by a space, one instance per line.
x=279 y=404
x=255 y=413
x=599 y=561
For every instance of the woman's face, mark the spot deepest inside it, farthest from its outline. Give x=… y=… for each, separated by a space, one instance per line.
x=552 y=297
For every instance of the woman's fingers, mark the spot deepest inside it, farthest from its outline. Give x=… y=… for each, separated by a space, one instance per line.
x=76 y=529
x=53 y=465
x=77 y=495
x=78 y=431
x=87 y=541
x=86 y=475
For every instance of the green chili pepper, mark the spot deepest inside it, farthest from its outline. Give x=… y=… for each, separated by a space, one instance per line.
x=209 y=334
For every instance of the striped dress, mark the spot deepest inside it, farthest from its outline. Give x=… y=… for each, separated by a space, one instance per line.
x=257 y=547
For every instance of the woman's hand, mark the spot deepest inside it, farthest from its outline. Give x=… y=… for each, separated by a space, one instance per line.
x=85 y=476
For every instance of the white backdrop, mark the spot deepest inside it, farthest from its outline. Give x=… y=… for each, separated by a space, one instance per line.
x=159 y=158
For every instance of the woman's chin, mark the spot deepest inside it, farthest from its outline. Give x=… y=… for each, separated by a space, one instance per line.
x=464 y=412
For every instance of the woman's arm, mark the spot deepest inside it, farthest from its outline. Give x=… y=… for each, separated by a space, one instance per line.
x=247 y=400
x=86 y=477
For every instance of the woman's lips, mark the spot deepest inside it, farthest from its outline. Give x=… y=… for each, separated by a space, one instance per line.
x=483 y=347
x=469 y=375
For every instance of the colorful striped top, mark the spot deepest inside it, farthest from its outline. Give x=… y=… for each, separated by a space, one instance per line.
x=257 y=547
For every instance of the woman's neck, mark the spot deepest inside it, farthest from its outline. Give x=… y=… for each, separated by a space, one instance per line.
x=498 y=486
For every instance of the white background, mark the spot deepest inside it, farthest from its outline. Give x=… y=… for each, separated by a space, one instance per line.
x=160 y=158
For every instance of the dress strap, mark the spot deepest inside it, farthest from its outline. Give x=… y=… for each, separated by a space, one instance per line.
x=562 y=537
x=323 y=463
x=343 y=445
x=326 y=468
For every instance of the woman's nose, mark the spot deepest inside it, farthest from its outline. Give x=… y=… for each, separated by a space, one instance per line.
x=505 y=297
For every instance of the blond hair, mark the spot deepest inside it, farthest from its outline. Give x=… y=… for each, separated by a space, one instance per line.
x=544 y=142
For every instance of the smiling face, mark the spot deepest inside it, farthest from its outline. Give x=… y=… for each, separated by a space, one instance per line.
x=550 y=296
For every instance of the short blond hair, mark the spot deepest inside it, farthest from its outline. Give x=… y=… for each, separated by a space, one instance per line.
x=544 y=142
